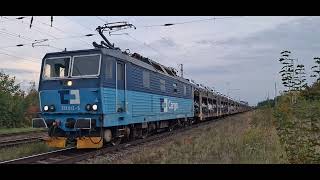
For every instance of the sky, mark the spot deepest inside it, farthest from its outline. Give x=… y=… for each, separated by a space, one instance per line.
x=235 y=55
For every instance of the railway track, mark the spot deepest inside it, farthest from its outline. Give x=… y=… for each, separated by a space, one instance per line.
x=15 y=142
x=21 y=133
x=72 y=155
x=13 y=139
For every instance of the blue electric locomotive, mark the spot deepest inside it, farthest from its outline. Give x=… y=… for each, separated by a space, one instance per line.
x=105 y=95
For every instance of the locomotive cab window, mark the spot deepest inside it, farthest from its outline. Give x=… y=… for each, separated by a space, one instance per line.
x=86 y=65
x=56 y=67
x=162 y=85
x=120 y=71
x=109 y=67
x=146 y=79
x=175 y=87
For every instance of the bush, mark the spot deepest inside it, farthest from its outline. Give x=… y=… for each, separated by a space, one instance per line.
x=14 y=105
x=298 y=125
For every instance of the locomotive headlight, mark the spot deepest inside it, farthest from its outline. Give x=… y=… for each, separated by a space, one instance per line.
x=88 y=107
x=52 y=108
x=69 y=83
x=94 y=107
x=46 y=108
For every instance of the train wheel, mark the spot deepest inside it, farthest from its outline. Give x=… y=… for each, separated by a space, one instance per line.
x=116 y=141
x=145 y=133
x=134 y=134
x=107 y=135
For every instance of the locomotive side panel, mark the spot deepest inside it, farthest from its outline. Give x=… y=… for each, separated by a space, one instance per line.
x=146 y=99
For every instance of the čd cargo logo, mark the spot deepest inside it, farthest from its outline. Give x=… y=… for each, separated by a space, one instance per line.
x=69 y=96
x=166 y=104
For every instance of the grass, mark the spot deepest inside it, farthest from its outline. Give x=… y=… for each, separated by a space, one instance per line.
x=298 y=126
x=246 y=138
x=18 y=130
x=22 y=150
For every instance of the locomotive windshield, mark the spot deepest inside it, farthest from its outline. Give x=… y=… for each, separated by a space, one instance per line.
x=56 y=67
x=86 y=65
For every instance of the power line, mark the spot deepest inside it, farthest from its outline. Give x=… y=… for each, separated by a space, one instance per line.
x=9 y=51
x=69 y=19
x=104 y=21
x=57 y=39
x=54 y=38
x=55 y=47
x=16 y=36
x=145 y=44
x=58 y=29
x=21 y=58
x=4 y=31
x=188 y=22
x=34 y=27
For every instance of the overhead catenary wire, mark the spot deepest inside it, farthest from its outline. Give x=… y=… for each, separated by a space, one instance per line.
x=53 y=37
x=20 y=58
x=180 y=58
x=14 y=35
x=84 y=26
x=58 y=29
x=36 y=28
x=104 y=21
x=147 y=45
x=4 y=31
x=189 y=22
x=30 y=39
x=12 y=52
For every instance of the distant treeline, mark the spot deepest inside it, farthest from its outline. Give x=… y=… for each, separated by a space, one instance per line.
x=17 y=107
x=310 y=93
x=269 y=102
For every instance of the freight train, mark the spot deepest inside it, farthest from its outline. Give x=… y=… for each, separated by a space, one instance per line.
x=90 y=98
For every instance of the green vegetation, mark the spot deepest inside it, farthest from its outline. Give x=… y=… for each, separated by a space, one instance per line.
x=298 y=124
x=18 y=130
x=22 y=150
x=296 y=112
x=245 y=138
x=16 y=106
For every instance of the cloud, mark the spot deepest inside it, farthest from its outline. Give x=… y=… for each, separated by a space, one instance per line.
x=164 y=42
x=16 y=71
x=252 y=61
x=241 y=51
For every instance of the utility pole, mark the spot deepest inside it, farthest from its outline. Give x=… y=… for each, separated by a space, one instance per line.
x=268 y=98
x=181 y=70
x=275 y=93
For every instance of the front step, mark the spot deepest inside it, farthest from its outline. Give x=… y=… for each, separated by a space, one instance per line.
x=89 y=142
x=56 y=142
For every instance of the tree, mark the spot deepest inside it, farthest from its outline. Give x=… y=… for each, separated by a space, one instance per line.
x=31 y=103
x=287 y=71
x=13 y=103
x=300 y=78
x=7 y=84
x=316 y=69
